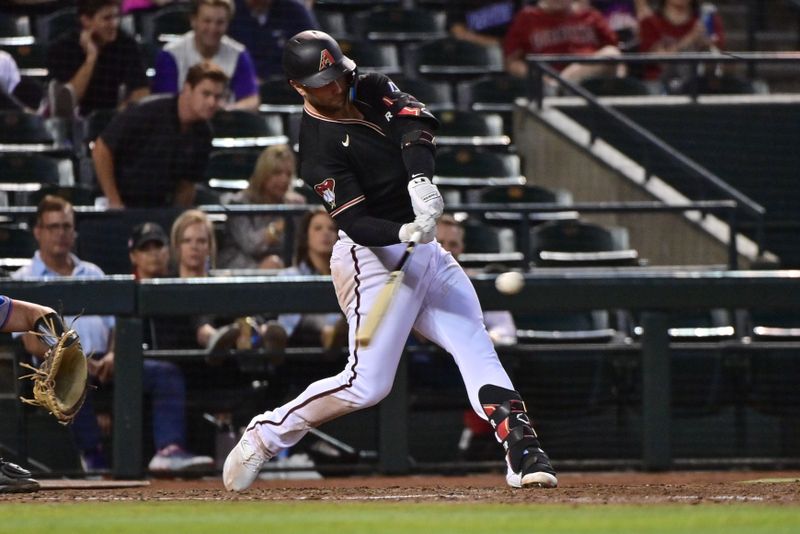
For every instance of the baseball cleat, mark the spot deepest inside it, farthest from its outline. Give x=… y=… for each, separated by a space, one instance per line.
x=536 y=471
x=243 y=463
x=14 y=479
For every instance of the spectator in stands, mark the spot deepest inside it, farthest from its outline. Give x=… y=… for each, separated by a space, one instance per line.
x=314 y=245
x=151 y=155
x=263 y=26
x=556 y=27
x=96 y=67
x=9 y=80
x=257 y=241
x=623 y=18
x=54 y=230
x=679 y=26
x=484 y=22
x=207 y=42
x=194 y=252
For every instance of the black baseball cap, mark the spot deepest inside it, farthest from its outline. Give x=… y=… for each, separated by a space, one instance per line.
x=145 y=233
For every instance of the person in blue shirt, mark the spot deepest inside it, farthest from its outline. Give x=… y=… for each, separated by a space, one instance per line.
x=54 y=230
x=264 y=26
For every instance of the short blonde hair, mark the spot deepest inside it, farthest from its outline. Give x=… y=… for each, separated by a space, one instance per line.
x=184 y=221
x=270 y=159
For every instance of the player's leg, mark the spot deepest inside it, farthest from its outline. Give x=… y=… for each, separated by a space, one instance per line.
x=14 y=479
x=359 y=274
x=451 y=317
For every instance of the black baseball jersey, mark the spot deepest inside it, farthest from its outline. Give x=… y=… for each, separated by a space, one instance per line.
x=356 y=164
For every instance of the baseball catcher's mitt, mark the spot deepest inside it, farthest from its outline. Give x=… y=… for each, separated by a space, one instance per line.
x=60 y=382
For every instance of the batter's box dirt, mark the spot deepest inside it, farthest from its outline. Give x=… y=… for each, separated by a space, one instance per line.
x=574 y=488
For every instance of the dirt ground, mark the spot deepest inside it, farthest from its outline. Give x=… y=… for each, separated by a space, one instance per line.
x=770 y=487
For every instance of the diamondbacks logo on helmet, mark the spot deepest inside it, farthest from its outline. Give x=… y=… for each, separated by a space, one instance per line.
x=325 y=189
x=325 y=59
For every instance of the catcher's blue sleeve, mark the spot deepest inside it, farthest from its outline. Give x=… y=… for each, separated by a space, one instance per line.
x=6 y=305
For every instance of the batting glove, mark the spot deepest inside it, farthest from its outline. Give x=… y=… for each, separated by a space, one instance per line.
x=425 y=198
x=425 y=225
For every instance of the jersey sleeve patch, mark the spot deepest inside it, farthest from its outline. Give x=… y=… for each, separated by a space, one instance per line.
x=327 y=190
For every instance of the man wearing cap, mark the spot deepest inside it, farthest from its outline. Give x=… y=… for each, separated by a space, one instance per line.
x=367 y=149
x=148 y=250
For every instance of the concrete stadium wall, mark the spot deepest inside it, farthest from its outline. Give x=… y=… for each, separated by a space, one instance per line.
x=556 y=153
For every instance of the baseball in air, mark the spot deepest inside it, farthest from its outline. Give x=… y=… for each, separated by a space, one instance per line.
x=509 y=283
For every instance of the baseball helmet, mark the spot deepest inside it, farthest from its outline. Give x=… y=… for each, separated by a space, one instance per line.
x=313 y=58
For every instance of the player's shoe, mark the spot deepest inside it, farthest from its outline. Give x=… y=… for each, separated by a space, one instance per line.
x=14 y=479
x=536 y=471
x=244 y=462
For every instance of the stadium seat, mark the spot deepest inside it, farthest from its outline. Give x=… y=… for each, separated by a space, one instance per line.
x=480 y=238
x=33 y=168
x=495 y=94
x=14 y=29
x=237 y=129
x=230 y=169
x=565 y=327
x=277 y=96
x=774 y=325
x=614 y=86
x=578 y=243
x=333 y=23
x=77 y=195
x=30 y=58
x=714 y=85
x=165 y=24
x=16 y=242
x=528 y=194
x=699 y=325
x=49 y=27
x=21 y=128
x=465 y=128
x=399 y=24
x=453 y=59
x=371 y=56
x=465 y=170
x=436 y=95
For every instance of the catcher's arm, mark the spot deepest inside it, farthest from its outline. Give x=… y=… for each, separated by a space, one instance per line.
x=60 y=382
x=24 y=315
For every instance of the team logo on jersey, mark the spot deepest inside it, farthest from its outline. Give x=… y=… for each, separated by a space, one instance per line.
x=325 y=59
x=325 y=190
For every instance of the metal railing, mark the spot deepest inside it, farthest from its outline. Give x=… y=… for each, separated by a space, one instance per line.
x=540 y=66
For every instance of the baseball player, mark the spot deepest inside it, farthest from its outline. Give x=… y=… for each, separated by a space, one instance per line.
x=368 y=151
x=21 y=316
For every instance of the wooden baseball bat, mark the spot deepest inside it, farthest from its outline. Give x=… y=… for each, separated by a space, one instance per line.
x=384 y=299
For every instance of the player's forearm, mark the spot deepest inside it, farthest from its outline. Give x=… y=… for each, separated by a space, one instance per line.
x=369 y=231
x=104 y=168
x=23 y=315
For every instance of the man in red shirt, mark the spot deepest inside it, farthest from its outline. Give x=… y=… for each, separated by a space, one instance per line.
x=556 y=27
